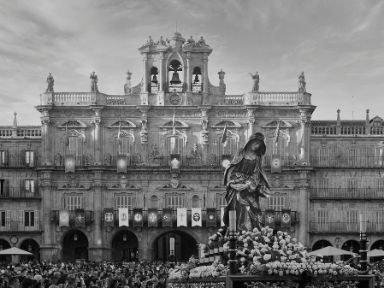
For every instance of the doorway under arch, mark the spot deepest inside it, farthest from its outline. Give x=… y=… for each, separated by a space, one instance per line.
x=75 y=246
x=4 y=245
x=125 y=246
x=31 y=246
x=174 y=246
x=351 y=246
x=321 y=244
x=379 y=244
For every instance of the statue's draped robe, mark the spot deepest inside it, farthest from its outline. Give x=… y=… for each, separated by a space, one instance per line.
x=245 y=202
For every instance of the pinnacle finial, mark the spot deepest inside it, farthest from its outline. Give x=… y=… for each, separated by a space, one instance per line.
x=14 y=120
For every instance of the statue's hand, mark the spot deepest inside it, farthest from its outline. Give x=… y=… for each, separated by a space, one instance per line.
x=239 y=187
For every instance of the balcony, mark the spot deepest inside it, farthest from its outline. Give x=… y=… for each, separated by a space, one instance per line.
x=345 y=227
x=18 y=193
x=347 y=194
x=346 y=161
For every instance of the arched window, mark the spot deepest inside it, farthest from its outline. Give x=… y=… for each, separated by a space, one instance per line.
x=154 y=85
x=174 y=145
x=195 y=201
x=175 y=82
x=154 y=202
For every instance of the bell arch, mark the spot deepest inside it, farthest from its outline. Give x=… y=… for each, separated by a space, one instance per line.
x=74 y=246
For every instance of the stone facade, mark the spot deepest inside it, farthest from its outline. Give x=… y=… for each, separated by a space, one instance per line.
x=159 y=145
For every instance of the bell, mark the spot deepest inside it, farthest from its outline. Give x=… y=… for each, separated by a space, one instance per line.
x=154 y=78
x=196 y=80
x=175 y=78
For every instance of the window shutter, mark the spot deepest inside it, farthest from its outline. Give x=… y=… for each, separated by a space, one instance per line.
x=7 y=219
x=23 y=186
x=6 y=187
x=21 y=222
x=36 y=223
x=5 y=158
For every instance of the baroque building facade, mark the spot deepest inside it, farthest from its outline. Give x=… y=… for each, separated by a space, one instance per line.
x=157 y=152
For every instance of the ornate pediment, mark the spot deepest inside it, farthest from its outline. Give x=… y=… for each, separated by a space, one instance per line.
x=176 y=123
x=75 y=124
x=376 y=119
x=229 y=123
x=123 y=124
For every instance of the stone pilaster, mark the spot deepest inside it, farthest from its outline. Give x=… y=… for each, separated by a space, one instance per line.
x=303 y=207
x=97 y=135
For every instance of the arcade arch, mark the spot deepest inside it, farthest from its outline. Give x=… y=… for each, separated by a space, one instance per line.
x=31 y=246
x=74 y=246
x=174 y=246
x=124 y=246
x=4 y=245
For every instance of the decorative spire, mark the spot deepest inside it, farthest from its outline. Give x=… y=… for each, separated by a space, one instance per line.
x=127 y=85
x=338 y=116
x=367 y=116
x=14 y=120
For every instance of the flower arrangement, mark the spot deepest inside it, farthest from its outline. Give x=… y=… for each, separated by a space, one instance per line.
x=263 y=252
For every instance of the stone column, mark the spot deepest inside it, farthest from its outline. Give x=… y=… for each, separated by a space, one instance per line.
x=46 y=138
x=205 y=73
x=188 y=72
x=162 y=73
x=145 y=78
x=251 y=122
x=96 y=247
x=48 y=249
x=305 y=118
x=303 y=207
x=97 y=135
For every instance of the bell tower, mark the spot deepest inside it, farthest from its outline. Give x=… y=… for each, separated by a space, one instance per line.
x=175 y=69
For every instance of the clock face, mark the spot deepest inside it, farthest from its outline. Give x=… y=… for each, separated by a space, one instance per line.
x=138 y=217
x=175 y=99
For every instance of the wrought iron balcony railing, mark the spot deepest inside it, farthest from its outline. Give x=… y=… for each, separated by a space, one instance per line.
x=347 y=193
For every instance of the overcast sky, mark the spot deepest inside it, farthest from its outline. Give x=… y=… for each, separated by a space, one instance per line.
x=338 y=44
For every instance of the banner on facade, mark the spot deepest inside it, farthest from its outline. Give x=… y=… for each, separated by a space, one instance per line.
x=196 y=217
x=167 y=218
x=269 y=218
x=79 y=218
x=122 y=164
x=109 y=218
x=123 y=217
x=181 y=217
x=137 y=217
x=286 y=218
x=222 y=217
x=275 y=164
x=152 y=218
x=70 y=164
x=64 y=218
x=211 y=220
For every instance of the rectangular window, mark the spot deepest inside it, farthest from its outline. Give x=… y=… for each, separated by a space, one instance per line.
x=29 y=185
x=2 y=219
x=352 y=221
x=29 y=218
x=73 y=202
x=174 y=201
x=29 y=158
x=123 y=201
x=174 y=145
x=276 y=203
x=322 y=220
x=2 y=187
x=3 y=157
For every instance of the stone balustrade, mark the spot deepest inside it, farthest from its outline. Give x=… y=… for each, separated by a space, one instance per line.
x=277 y=98
x=20 y=132
x=68 y=98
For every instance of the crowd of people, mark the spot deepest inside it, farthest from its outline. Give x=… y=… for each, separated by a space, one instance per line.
x=84 y=275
